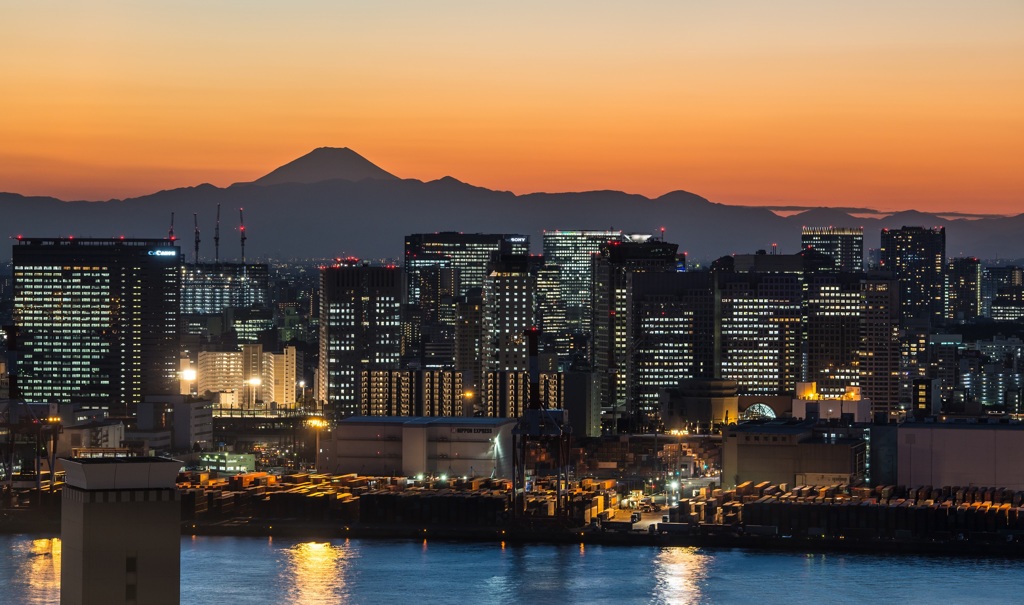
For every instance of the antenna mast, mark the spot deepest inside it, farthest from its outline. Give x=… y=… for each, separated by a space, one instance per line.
x=195 y=220
x=241 y=230
x=216 y=238
x=170 y=232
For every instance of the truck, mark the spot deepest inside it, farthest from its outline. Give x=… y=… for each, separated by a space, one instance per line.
x=617 y=526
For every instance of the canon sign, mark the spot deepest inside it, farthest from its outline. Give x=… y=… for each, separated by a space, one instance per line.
x=163 y=253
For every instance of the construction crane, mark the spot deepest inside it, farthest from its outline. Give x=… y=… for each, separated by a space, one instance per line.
x=195 y=220
x=216 y=238
x=241 y=230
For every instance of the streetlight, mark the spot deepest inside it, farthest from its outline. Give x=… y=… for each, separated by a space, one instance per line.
x=254 y=383
x=189 y=376
x=317 y=424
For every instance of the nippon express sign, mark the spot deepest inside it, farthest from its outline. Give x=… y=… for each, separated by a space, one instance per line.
x=163 y=253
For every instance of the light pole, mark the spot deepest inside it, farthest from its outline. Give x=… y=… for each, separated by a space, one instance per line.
x=317 y=424
x=254 y=384
x=189 y=376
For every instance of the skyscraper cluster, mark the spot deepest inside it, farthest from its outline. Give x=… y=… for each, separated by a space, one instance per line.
x=603 y=323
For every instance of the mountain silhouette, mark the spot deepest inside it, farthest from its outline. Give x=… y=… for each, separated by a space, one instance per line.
x=325 y=164
x=334 y=202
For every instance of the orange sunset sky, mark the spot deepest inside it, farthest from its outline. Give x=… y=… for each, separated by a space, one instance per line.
x=882 y=104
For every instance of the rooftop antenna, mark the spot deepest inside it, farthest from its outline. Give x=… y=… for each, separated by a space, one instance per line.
x=241 y=230
x=662 y=234
x=195 y=220
x=170 y=232
x=216 y=238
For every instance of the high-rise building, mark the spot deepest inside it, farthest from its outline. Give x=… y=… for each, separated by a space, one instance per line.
x=509 y=298
x=611 y=345
x=1008 y=305
x=880 y=349
x=832 y=340
x=258 y=378
x=280 y=377
x=469 y=346
x=551 y=317
x=359 y=329
x=211 y=288
x=428 y=324
x=845 y=245
x=963 y=289
x=672 y=323
x=572 y=252
x=760 y=331
x=96 y=320
x=916 y=256
x=411 y=393
x=996 y=278
x=466 y=253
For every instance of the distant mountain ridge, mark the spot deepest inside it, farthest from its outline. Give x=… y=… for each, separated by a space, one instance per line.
x=334 y=202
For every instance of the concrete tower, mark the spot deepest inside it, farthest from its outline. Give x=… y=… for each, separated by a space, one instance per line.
x=121 y=532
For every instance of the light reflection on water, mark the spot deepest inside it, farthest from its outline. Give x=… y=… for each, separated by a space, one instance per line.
x=34 y=569
x=315 y=572
x=679 y=575
x=258 y=571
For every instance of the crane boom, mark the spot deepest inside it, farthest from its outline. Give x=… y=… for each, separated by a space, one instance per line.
x=216 y=238
x=241 y=230
x=195 y=220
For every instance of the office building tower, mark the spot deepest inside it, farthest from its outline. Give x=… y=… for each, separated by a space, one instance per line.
x=1008 y=305
x=917 y=259
x=760 y=331
x=963 y=289
x=995 y=278
x=945 y=352
x=844 y=245
x=96 y=320
x=466 y=253
x=832 y=340
x=428 y=323
x=880 y=353
x=551 y=317
x=572 y=252
x=913 y=356
x=671 y=320
x=611 y=347
x=211 y=288
x=359 y=329
x=509 y=311
x=469 y=346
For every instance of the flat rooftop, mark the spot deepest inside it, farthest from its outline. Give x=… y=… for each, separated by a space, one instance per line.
x=121 y=473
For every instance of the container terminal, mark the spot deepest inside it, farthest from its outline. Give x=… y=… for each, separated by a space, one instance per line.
x=943 y=520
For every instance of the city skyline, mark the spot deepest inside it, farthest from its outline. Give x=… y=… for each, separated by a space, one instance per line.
x=899 y=106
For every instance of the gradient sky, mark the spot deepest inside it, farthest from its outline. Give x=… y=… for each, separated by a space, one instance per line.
x=883 y=104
